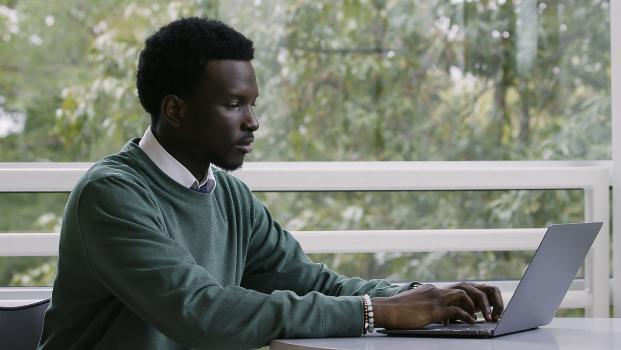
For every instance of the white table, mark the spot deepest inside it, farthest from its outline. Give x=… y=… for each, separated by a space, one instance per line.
x=561 y=333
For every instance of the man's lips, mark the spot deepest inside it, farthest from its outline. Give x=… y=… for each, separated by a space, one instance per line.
x=245 y=145
x=247 y=148
x=246 y=140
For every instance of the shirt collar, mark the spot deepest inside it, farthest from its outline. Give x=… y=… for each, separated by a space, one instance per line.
x=171 y=166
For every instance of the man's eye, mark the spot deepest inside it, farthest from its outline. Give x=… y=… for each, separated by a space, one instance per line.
x=233 y=106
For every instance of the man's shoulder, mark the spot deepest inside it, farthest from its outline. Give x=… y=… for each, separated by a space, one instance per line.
x=108 y=171
x=230 y=181
x=125 y=164
x=109 y=167
x=233 y=191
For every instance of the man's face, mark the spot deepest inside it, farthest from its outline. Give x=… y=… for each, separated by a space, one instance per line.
x=220 y=114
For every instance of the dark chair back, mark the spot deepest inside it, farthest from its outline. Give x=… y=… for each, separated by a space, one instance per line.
x=21 y=326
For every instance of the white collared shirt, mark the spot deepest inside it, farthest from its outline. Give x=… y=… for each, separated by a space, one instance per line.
x=171 y=167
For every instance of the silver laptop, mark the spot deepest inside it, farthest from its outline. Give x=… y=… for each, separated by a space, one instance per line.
x=540 y=292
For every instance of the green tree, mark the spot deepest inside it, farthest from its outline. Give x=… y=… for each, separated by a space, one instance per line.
x=386 y=80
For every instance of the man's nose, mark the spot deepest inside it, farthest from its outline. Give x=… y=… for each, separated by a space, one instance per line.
x=250 y=120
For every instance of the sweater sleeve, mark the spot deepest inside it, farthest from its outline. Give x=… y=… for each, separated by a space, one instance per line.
x=131 y=256
x=275 y=261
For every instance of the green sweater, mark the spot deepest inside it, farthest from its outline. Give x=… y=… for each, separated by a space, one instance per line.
x=145 y=263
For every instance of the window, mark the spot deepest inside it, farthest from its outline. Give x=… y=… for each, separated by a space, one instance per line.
x=340 y=81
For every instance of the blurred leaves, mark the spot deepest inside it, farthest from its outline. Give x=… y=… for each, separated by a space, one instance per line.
x=344 y=80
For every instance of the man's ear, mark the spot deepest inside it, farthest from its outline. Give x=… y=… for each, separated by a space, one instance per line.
x=173 y=109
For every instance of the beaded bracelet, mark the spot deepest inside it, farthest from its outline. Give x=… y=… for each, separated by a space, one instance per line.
x=368 y=314
x=415 y=285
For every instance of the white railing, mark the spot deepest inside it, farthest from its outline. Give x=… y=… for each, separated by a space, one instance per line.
x=591 y=177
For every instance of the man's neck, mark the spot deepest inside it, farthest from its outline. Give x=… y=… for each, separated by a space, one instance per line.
x=176 y=149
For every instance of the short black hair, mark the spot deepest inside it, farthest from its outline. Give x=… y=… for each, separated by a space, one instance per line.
x=174 y=58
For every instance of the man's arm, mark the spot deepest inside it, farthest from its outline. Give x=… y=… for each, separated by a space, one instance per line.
x=160 y=281
x=275 y=261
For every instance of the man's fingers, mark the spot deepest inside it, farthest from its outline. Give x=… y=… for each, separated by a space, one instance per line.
x=456 y=313
x=479 y=298
x=458 y=297
x=495 y=299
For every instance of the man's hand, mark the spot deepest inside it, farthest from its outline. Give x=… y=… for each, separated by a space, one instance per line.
x=427 y=304
x=486 y=298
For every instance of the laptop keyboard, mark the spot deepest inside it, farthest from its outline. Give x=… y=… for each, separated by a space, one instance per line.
x=462 y=326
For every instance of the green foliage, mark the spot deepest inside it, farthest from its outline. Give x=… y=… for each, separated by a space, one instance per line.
x=340 y=81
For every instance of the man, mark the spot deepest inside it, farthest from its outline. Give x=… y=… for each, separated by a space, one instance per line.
x=158 y=250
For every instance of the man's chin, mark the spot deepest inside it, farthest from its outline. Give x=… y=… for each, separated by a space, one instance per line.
x=229 y=166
